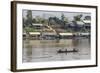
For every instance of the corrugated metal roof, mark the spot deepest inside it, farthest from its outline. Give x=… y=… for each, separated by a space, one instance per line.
x=47 y=33
x=85 y=33
x=34 y=33
x=80 y=23
x=87 y=21
x=66 y=33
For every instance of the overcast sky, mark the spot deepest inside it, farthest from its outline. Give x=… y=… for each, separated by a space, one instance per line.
x=47 y=14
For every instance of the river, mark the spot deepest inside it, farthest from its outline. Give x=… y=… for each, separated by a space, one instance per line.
x=46 y=50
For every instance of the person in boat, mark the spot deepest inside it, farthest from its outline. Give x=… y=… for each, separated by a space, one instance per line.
x=66 y=50
x=59 y=51
x=74 y=50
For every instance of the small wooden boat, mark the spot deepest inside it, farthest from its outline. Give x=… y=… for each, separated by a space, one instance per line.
x=67 y=51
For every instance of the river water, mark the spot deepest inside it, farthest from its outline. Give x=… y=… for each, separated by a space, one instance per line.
x=46 y=50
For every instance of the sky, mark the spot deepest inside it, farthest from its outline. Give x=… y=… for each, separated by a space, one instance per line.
x=47 y=14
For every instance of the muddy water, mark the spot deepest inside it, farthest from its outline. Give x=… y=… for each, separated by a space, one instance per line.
x=46 y=50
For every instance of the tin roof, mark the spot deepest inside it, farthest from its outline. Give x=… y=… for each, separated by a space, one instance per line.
x=66 y=34
x=37 y=24
x=34 y=33
x=87 y=21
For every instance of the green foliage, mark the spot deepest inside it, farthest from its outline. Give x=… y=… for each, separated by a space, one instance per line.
x=28 y=21
x=33 y=20
x=39 y=20
x=29 y=14
x=62 y=17
x=77 y=18
x=30 y=29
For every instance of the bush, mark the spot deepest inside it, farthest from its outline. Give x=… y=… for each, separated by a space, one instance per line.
x=30 y=29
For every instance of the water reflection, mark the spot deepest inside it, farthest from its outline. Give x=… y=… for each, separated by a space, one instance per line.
x=46 y=50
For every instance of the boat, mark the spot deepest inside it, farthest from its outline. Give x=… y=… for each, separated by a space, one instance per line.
x=67 y=51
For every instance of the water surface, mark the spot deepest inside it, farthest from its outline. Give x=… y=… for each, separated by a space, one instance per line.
x=46 y=50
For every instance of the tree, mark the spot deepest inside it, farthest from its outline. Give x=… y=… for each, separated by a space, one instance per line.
x=66 y=20
x=77 y=18
x=29 y=18
x=62 y=17
x=24 y=22
x=76 y=26
x=44 y=21
x=33 y=20
x=87 y=18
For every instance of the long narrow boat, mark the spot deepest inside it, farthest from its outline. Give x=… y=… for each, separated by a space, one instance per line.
x=67 y=51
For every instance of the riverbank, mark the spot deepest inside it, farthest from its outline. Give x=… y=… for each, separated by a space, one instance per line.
x=50 y=36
